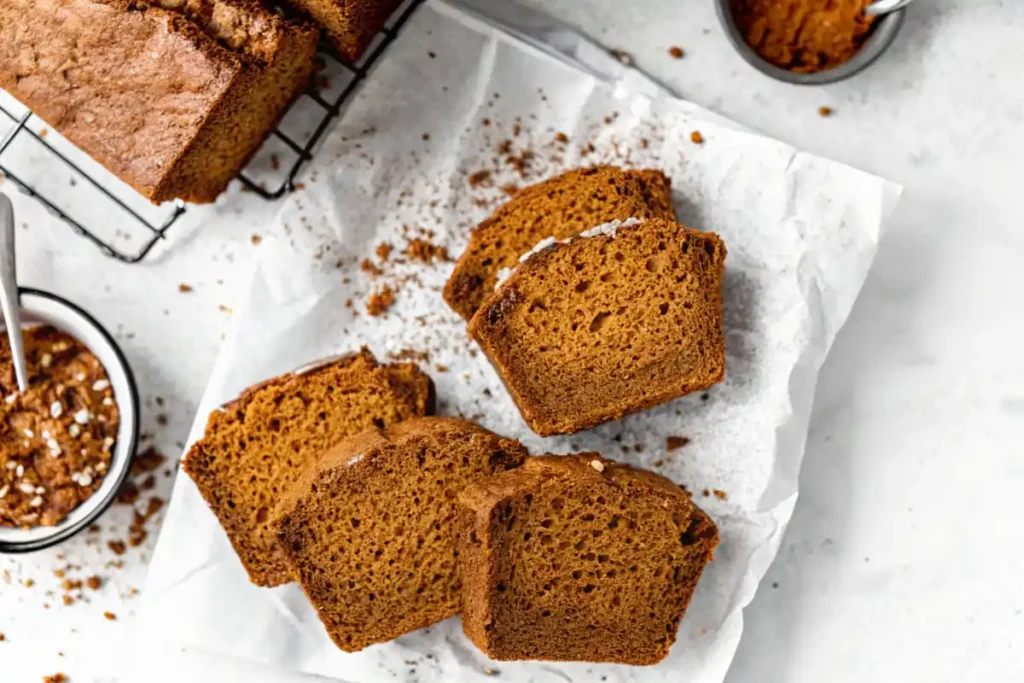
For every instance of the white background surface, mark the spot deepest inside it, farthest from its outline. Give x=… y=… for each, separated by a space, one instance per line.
x=904 y=558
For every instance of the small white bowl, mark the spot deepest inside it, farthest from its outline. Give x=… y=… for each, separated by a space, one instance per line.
x=44 y=308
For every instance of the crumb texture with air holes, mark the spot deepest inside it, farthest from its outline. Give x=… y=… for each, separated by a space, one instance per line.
x=255 y=447
x=370 y=533
x=559 y=208
x=594 y=329
x=565 y=560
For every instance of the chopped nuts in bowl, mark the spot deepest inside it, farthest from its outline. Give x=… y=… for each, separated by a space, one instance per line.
x=66 y=443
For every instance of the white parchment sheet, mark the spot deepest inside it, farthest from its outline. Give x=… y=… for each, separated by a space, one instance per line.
x=458 y=111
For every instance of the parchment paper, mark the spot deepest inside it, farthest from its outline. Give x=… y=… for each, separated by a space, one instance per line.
x=408 y=160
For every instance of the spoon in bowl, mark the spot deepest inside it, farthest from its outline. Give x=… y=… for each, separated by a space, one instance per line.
x=9 y=291
x=882 y=7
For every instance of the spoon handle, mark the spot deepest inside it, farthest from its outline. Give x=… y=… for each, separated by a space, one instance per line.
x=886 y=6
x=9 y=291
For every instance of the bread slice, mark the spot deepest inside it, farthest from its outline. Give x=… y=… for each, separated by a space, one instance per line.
x=612 y=322
x=349 y=25
x=258 y=445
x=559 y=207
x=371 y=531
x=579 y=558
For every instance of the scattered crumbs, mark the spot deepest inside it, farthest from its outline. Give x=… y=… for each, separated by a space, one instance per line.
x=705 y=396
x=420 y=249
x=479 y=178
x=94 y=528
x=426 y=137
x=623 y=57
x=127 y=494
x=441 y=368
x=55 y=678
x=707 y=493
x=674 y=443
x=384 y=250
x=486 y=122
x=367 y=266
x=94 y=583
x=721 y=495
x=775 y=584
x=697 y=138
x=348 y=303
x=561 y=138
x=42 y=132
x=275 y=162
x=490 y=672
x=410 y=355
x=676 y=52
x=505 y=147
x=510 y=189
x=29 y=583
x=117 y=547
x=825 y=111
x=432 y=54
x=300 y=186
x=2 y=637
x=224 y=309
x=256 y=239
x=161 y=419
x=109 y=616
x=380 y=302
x=184 y=288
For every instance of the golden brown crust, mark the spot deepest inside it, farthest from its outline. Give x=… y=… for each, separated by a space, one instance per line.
x=600 y=327
x=257 y=445
x=579 y=558
x=171 y=101
x=370 y=531
x=559 y=207
x=350 y=25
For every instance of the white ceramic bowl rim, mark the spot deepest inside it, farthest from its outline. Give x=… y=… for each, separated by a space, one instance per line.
x=39 y=307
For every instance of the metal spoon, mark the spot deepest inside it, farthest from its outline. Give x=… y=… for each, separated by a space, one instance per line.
x=881 y=7
x=9 y=291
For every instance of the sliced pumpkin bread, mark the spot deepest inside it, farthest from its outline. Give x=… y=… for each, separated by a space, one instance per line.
x=370 y=531
x=559 y=207
x=579 y=558
x=614 y=321
x=255 y=447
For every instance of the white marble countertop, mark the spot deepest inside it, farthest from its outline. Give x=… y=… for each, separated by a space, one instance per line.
x=905 y=556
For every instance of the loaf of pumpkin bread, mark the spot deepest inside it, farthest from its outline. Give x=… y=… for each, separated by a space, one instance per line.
x=172 y=96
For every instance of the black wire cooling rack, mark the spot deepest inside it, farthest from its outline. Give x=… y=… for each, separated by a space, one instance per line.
x=136 y=226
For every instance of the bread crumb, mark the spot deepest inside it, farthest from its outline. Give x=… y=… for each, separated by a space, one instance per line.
x=510 y=189
x=380 y=302
x=256 y=239
x=384 y=250
x=697 y=138
x=117 y=547
x=597 y=465
x=55 y=678
x=676 y=52
x=94 y=582
x=2 y=637
x=422 y=250
x=825 y=111
x=561 y=138
x=720 y=495
x=674 y=443
x=367 y=266
x=479 y=178
x=110 y=616
x=184 y=288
